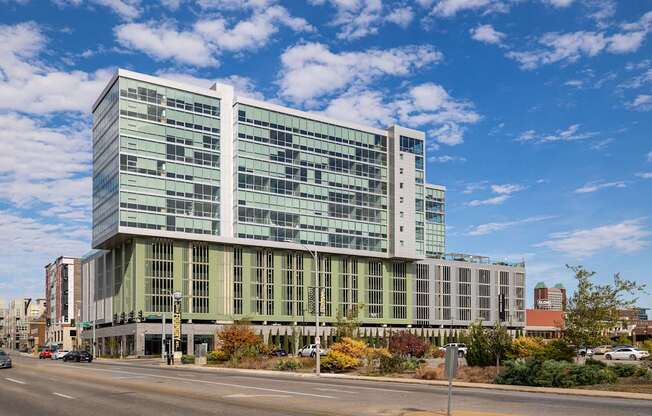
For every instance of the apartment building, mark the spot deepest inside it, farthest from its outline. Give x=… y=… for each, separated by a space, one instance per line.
x=63 y=292
x=224 y=199
x=551 y=298
x=21 y=317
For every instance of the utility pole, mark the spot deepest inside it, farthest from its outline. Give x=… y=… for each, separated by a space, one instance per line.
x=315 y=262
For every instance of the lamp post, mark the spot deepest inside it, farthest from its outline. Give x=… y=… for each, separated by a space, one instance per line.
x=317 y=305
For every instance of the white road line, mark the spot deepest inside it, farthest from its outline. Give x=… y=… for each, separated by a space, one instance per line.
x=338 y=391
x=14 y=380
x=65 y=396
x=215 y=383
x=247 y=396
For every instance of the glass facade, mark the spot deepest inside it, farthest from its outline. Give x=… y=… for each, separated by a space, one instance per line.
x=157 y=152
x=415 y=146
x=310 y=182
x=435 y=224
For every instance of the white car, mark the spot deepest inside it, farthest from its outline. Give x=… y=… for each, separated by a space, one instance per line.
x=461 y=348
x=59 y=354
x=309 y=351
x=626 y=354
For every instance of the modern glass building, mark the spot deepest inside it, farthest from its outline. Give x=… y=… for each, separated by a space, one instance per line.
x=223 y=198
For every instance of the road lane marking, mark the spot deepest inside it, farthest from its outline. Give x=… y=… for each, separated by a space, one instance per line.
x=215 y=383
x=14 y=380
x=65 y=396
x=248 y=396
x=337 y=391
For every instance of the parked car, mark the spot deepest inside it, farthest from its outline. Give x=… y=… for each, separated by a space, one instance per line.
x=59 y=354
x=45 y=354
x=461 y=348
x=310 y=350
x=626 y=354
x=5 y=361
x=585 y=352
x=616 y=347
x=602 y=349
x=78 y=356
x=279 y=352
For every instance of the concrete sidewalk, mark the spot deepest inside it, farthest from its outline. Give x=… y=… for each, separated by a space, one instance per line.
x=439 y=383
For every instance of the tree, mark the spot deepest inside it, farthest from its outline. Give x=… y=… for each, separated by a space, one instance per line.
x=477 y=343
x=593 y=308
x=347 y=325
x=407 y=343
x=500 y=342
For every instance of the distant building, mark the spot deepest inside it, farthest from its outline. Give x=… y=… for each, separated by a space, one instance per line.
x=553 y=298
x=63 y=292
x=544 y=323
x=19 y=319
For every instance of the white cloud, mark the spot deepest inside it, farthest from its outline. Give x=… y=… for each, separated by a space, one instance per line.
x=450 y=8
x=242 y=86
x=311 y=71
x=570 y=47
x=208 y=37
x=649 y=157
x=642 y=102
x=628 y=236
x=470 y=188
x=252 y=33
x=503 y=193
x=488 y=228
x=163 y=41
x=126 y=9
x=426 y=105
x=401 y=16
x=571 y=133
x=46 y=164
x=359 y=18
x=171 y=4
x=487 y=34
x=598 y=185
x=559 y=3
x=507 y=189
x=644 y=175
x=446 y=159
x=234 y=4
x=496 y=200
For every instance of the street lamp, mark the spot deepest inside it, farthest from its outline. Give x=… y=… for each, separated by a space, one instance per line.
x=317 y=306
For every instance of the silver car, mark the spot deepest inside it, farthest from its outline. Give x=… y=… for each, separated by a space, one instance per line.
x=5 y=361
x=310 y=350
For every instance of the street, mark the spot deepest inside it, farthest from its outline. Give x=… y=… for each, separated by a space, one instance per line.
x=47 y=387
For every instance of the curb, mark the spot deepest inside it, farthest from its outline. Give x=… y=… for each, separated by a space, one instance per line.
x=438 y=383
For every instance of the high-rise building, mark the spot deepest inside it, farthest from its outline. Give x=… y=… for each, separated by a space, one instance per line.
x=63 y=294
x=224 y=198
x=551 y=298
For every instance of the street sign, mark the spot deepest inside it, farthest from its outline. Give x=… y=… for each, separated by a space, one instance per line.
x=452 y=355
x=176 y=325
x=451 y=362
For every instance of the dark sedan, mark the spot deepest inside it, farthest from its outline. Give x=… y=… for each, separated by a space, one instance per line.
x=5 y=361
x=78 y=356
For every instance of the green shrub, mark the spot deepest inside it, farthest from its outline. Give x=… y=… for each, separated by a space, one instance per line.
x=392 y=364
x=558 y=350
x=519 y=373
x=584 y=375
x=552 y=373
x=217 y=356
x=624 y=370
x=289 y=364
x=555 y=374
x=597 y=363
x=187 y=359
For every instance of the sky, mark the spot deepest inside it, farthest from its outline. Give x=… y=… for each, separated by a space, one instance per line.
x=537 y=113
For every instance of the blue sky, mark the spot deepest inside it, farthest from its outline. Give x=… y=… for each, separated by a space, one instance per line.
x=538 y=113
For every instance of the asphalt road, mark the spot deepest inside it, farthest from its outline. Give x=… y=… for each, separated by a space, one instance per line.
x=35 y=387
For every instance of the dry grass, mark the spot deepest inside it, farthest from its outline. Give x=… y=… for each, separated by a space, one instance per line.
x=468 y=374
